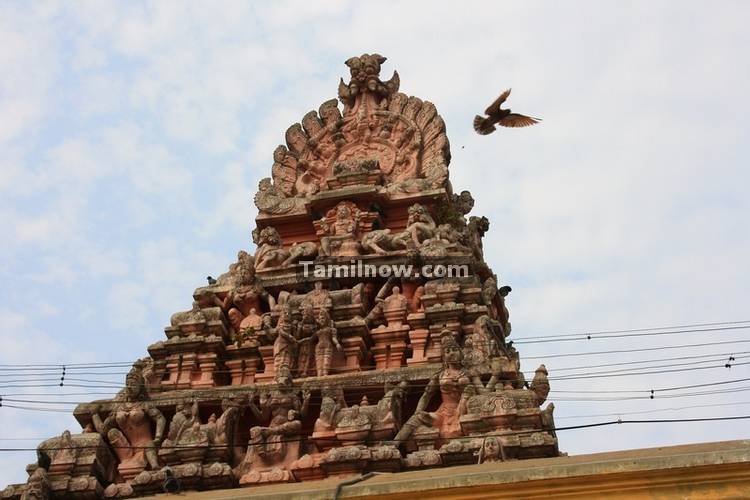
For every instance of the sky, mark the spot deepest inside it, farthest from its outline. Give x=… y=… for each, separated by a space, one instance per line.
x=133 y=136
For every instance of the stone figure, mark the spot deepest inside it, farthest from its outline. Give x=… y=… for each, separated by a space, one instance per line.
x=270 y=251
x=395 y=307
x=240 y=273
x=540 y=384
x=306 y=328
x=504 y=117
x=327 y=339
x=285 y=343
x=420 y=225
x=277 y=444
x=490 y=450
x=383 y=241
x=270 y=200
x=365 y=73
x=450 y=382
x=37 y=486
x=340 y=231
x=128 y=426
x=415 y=302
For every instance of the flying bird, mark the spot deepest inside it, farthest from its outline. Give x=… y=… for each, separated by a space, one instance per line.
x=504 y=117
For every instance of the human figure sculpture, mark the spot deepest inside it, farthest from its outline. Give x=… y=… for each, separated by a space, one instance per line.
x=375 y=316
x=185 y=415
x=283 y=410
x=450 y=382
x=128 y=426
x=395 y=307
x=270 y=252
x=284 y=344
x=271 y=200
x=319 y=297
x=342 y=229
x=490 y=451
x=306 y=328
x=415 y=303
x=328 y=339
x=420 y=225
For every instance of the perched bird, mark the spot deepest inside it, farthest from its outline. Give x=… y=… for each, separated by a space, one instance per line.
x=502 y=117
x=211 y=281
x=171 y=484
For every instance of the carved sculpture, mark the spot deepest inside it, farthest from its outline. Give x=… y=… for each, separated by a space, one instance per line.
x=275 y=446
x=327 y=340
x=340 y=228
x=450 y=382
x=420 y=225
x=128 y=426
x=490 y=450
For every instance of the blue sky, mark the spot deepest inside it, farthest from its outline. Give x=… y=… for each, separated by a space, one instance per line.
x=133 y=135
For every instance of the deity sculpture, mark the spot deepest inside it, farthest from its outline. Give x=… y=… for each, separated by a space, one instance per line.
x=128 y=426
x=277 y=444
x=490 y=451
x=327 y=339
x=271 y=200
x=420 y=225
x=270 y=251
x=340 y=233
x=306 y=328
x=285 y=343
x=450 y=382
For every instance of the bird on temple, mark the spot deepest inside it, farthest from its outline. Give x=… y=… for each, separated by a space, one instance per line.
x=171 y=484
x=211 y=280
x=503 y=117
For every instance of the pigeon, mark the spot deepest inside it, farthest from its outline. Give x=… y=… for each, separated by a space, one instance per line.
x=171 y=484
x=497 y=115
x=211 y=281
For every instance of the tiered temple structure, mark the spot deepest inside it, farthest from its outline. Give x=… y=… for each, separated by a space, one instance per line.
x=286 y=370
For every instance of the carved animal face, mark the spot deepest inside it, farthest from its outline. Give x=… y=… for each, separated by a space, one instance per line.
x=365 y=67
x=269 y=236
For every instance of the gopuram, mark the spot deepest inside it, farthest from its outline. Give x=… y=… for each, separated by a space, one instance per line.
x=312 y=357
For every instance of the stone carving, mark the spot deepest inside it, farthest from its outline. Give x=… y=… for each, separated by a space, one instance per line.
x=240 y=273
x=365 y=72
x=420 y=225
x=339 y=424
x=285 y=343
x=340 y=227
x=540 y=385
x=450 y=382
x=270 y=252
x=404 y=134
x=37 y=486
x=273 y=448
x=271 y=200
x=490 y=450
x=484 y=342
x=383 y=241
x=327 y=340
x=127 y=427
